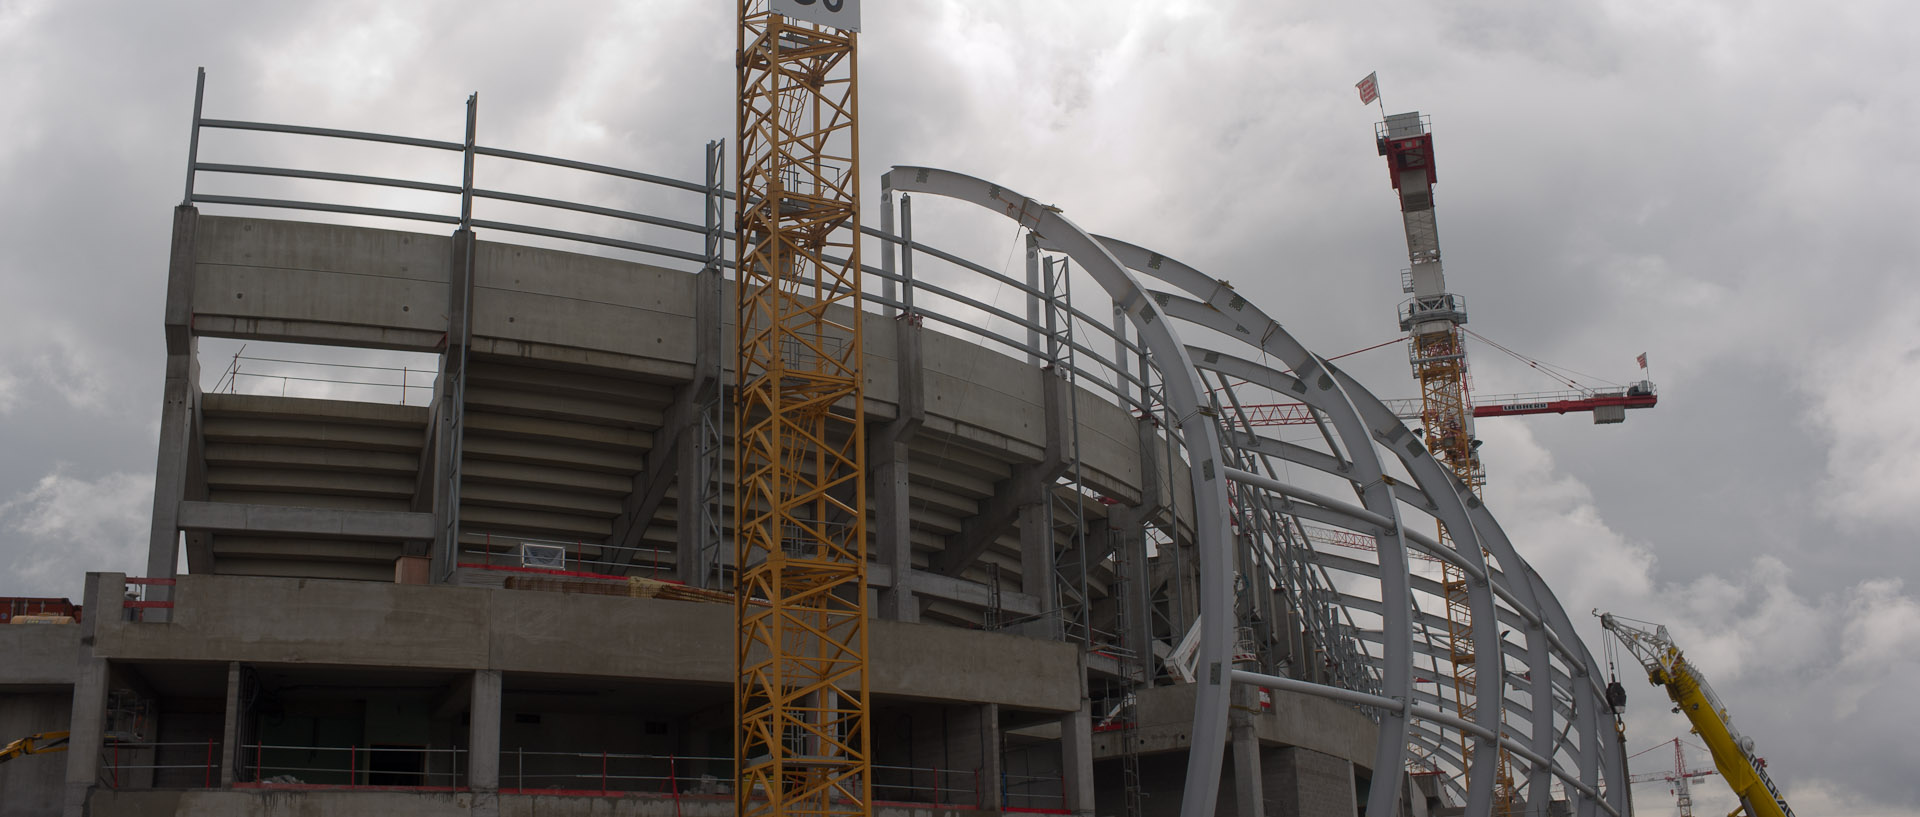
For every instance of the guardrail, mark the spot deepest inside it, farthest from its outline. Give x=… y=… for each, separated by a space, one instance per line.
x=615 y=774
x=575 y=556
x=416 y=768
x=403 y=381
x=941 y=299
x=128 y=764
x=1033 y=794
x=137 y=603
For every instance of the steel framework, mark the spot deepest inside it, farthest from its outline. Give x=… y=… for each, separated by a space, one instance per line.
x=1376 y=642
x=800 y=693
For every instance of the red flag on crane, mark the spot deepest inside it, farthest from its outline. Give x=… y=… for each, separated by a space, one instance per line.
x=1369 y=89
x=1643 y=360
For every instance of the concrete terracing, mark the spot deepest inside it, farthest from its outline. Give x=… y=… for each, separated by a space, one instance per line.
x=576 y=364
x=337 y=599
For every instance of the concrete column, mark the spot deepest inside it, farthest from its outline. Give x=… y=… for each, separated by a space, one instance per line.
x=690 y=554
x=892 y=534
x=1248 y=795
x=1076 y=758
x=175 y=462
x=887 y=455
x=483 y=741
x=1036 y=571
x=694 y=558
x=88 y=723
x=1126 y=525
x=450 y=418
x=170 y=474
x=989 y=766
x=230 y=733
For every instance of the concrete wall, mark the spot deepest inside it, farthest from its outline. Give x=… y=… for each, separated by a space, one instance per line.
x=39 y=655
x=319 y=283
x=1322 y=725
x=32 y=786
x=1305 y=782
x=313 y=621
x=1295 y=782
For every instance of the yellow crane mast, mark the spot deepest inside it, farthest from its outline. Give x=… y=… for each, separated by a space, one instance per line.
x=1733 y=753
x=801 y=683
x=1432 y=319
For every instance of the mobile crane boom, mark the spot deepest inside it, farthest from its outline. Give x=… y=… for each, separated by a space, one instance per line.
x=1732 y=752
x=40 y=744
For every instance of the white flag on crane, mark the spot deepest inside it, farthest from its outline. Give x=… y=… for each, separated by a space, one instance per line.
x=1369 y=89
x=1643 y=360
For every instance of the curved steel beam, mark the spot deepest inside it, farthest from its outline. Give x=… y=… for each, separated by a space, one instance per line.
x=1196 y=421
x=1336 y=397
x=1448 y=498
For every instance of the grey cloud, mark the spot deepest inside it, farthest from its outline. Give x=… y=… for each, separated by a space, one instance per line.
x=1717 y=184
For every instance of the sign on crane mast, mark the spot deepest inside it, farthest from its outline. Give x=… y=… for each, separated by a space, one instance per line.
x=840 y=14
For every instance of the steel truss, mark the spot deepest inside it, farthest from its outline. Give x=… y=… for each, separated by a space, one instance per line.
x=800 y=490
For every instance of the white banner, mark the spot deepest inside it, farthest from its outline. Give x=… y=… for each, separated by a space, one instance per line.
x=840 y=14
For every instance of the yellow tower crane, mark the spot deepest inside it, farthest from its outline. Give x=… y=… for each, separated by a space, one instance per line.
x=1733 y=753
x=800 y=689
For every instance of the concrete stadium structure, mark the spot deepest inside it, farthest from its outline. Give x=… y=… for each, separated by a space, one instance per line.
x=1092 y=578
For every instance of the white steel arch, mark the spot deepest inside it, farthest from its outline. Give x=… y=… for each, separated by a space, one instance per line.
x=1363 y=425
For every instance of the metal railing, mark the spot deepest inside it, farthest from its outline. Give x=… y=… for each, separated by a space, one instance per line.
x=133 y=764
x=411 y=385
x=139 y=598
x=1032 y=793
x=580 y=556
x=409 y=767
x=949 y=306
x=922 y=784
x=611 y=774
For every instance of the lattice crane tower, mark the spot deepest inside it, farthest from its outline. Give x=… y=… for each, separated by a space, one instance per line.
x=1432 y=319
x=800 y=691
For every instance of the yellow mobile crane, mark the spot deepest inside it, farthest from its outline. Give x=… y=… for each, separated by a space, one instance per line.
x=1732 y=752
x=40 y=744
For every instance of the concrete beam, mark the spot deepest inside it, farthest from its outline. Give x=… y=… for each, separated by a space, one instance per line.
x=651 y=483
x=1029 y=485
x=230 y=517
x=934 y=585
x=180 y=281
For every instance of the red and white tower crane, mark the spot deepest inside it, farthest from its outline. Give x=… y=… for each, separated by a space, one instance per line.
x=1678 y=778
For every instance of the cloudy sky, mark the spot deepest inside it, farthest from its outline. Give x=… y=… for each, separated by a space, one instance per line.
x=1720 y=185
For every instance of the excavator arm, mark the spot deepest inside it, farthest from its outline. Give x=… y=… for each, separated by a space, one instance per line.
x=40 y=744
x=1733 y=753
